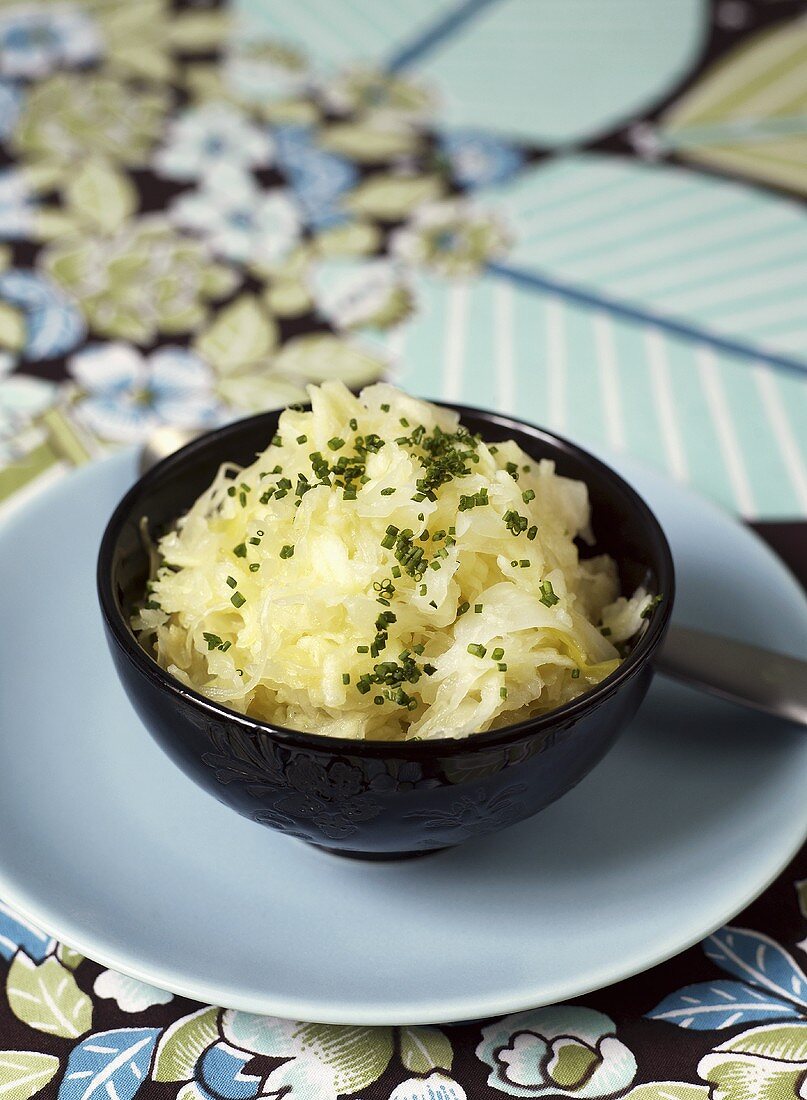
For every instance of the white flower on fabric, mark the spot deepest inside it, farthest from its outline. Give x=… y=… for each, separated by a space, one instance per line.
x=203 y=137
x=564 y=1050
x=35 y=39
x=452 y=238
x=260 y=72
x=21 y=400
x=361 y=293
x=126 y=395
x=240 y=220
x=16 y=208
x=434 y=1087
x=129 y=994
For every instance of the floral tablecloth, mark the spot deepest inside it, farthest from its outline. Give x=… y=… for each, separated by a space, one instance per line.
x=588 y=212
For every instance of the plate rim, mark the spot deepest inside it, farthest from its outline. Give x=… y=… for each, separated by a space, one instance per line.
x=439 y=1011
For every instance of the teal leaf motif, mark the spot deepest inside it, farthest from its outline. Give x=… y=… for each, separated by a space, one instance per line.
x=710 y=1006
x=109 y=1064
x=756 y=958
x=16 y=932
x=222 y=1073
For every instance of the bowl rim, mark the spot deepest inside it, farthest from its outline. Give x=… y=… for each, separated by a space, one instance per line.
x=562 y=716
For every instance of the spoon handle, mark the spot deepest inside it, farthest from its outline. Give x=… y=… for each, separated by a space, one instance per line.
x=758 y=678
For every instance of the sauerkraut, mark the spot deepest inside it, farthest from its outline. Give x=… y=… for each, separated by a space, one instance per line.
x=378 y=572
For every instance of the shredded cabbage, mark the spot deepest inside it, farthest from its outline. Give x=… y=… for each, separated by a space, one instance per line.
x=379 y=573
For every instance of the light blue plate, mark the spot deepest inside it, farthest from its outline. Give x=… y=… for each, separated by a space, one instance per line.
x=106 y=844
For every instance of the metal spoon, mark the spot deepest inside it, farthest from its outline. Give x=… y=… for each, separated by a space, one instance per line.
x=745 y=674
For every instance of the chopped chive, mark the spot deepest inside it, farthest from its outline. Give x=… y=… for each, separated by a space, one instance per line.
x=419 y=648
x=396 y=571
x=463 y=607
x=254 y=567
x=404 y=422
x=548 y=597
x=429 y=669
x=388 y=542
x=345 y=677
x=225 y=646
x=237 y=599
x=503 y=692
x=497 y=653
x=383 y=601
x=525 y=563
x=213 y=640
x=575 y=673
x=494 y=450
x=528 y=495
x=254 y=541
x=422 y=590
x=354 y=424
x=277 y=441
x=287 y=551
x=242 y=498
x=385 y=408
x=502 y=667
x=363 y=687
x=605 y=631
x=240 y=551
x=433 y=604
x=233 y=583
x=336 y=443
x=477 y=608
x=349 y=493
x=476 y=650
x=533 y=531
x=388 y=492
x=434 y=565
x=514 y=563
x=302 y=438
x=362 y=649
x=651 y=606
x=231 y=491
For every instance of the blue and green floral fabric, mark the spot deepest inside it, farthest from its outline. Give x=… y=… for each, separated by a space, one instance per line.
x=736 y=1031
x=587 y=213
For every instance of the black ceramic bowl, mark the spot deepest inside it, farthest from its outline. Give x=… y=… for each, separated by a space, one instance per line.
x=379 y=800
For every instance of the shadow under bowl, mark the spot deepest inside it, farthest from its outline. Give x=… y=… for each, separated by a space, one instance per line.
x=379 y=799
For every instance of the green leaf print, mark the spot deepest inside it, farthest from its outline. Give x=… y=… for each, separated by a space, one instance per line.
x=765 y=1063
x=182 y=1045
x=47 y=998
x=320 y=356
x=424 y=1049
x=12 y=327
x=24 y=1073
x=100 y=195
x=68 y=957
x=391 y=198
x=668 y=1090
x=242 y=334
x=369 y=144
